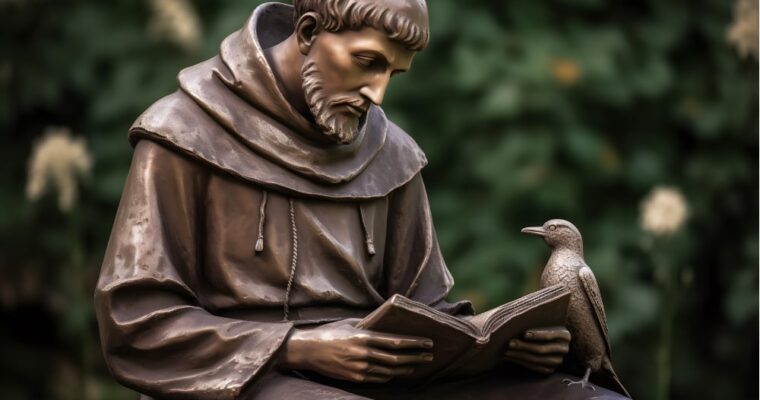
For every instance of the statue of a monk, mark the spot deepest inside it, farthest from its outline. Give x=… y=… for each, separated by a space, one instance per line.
x=269 y=205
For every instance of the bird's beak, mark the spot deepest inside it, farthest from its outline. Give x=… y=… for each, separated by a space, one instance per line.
x=534 y=230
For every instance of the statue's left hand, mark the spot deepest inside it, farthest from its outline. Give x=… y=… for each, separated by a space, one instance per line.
x=540 y=350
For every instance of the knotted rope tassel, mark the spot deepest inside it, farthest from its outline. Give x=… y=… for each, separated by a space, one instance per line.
x=262 y=218
x=370 y=242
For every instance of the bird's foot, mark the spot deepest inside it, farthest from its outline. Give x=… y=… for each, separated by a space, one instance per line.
x=583 y=382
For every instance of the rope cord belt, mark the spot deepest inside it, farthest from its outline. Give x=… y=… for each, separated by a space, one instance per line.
x=293 y=261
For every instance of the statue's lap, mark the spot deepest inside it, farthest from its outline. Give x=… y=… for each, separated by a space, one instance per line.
x=498 y=385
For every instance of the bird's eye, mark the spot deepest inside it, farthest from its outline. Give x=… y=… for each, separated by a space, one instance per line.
x=552 y=227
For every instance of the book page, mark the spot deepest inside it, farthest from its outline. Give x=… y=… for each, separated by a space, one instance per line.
x=545 y=308
x=486 y=321
x=480 y=320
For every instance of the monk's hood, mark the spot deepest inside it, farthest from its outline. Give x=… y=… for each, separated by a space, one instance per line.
x=230 y=112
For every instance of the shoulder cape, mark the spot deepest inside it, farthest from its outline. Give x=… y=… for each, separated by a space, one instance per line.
x=230 y=113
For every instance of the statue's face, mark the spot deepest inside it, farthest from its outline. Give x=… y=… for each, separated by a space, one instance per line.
x=346 y=71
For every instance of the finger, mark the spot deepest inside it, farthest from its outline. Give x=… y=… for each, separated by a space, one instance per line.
x=548 y=334
x=538 y=361
x=364 y=378
x=541 y=348
x=382 y=371
x=398 y=342
x=369 y=369
x=391 y=359
x=376 y=379
x=534 y=368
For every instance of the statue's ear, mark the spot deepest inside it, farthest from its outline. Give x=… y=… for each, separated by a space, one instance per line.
x=307 y=29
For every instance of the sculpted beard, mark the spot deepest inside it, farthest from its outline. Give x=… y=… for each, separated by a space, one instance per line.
x=340 y=126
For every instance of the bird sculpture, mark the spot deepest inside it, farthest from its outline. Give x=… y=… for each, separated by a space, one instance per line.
x=586 y=320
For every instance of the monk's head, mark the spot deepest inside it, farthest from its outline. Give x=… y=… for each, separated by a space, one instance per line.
x=352 y=48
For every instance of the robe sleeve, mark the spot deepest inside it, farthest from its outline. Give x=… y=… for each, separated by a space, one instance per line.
x=414 y=264
x=157 y=338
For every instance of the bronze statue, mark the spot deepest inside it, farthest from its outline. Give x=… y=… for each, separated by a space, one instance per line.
x=586 y=320
x=270 y=205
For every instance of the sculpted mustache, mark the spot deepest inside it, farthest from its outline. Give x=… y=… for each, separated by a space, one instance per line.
x=340 y=101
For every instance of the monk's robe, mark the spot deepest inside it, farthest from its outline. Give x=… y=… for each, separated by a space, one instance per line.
x=231 y=218
x=234 y=228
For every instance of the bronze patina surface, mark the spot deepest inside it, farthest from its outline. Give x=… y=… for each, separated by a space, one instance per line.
x=586 y=319
x=269 y=204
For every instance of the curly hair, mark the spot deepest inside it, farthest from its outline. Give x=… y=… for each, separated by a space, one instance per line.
x=340 y=15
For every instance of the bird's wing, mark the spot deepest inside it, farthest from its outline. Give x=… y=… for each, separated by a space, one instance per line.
x=591 y=288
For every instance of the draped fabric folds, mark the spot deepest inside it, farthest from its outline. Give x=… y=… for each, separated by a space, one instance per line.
x=187 y=308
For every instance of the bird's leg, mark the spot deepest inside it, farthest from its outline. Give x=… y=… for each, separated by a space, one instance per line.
x=583 y=382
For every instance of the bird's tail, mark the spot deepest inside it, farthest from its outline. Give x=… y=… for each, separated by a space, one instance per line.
x=610 y=379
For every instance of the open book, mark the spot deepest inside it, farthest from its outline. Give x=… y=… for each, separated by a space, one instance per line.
x=467 y=345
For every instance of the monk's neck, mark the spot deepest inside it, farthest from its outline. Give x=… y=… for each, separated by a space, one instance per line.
x=286 y=62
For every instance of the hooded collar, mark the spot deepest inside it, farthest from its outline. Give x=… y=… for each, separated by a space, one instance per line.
x=231 y=112
x=250 y=73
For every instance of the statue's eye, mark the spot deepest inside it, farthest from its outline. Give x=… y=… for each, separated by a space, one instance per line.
x=364 y=61
x=371 y=61
x=552 y=227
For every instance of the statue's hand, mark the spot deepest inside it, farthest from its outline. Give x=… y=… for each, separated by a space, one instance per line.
x=343 y=352
x=540 y=350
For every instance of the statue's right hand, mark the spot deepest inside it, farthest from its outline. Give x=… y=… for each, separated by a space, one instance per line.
x=343 y=352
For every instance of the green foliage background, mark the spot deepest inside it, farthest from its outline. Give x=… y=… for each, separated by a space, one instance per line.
x=527 y=110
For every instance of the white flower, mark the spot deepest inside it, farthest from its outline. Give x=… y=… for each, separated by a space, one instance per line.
x=176 y=21
x=663 y=211
x=743 y=32
x=57 y=160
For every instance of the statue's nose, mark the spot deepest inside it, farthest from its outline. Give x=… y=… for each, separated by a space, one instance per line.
x=375 y=90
